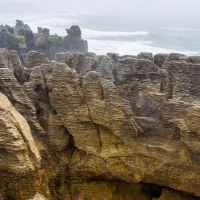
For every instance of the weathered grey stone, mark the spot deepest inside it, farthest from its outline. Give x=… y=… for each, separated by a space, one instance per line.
x=5 y=59
x=105 y=67
x=195 y=59
x=128 y=56
x=64 y=57
x=145 y=55
x=177 y=57
x=182 y=81
x=112 y=54
x=36 y=59
x=160 y=58
x=91 y=55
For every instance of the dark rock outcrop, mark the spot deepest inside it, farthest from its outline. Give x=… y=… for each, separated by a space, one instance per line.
x=13 y=42
x=73 y=42
x=29 y=37
x=22 y=39
x=99 y=127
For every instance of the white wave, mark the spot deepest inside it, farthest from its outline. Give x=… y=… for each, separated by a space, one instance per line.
x=102 y=47
x=89 y=33
x=181 y=29
x=180 y=35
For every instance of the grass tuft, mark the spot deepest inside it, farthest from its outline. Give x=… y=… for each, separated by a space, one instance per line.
x=40 y=42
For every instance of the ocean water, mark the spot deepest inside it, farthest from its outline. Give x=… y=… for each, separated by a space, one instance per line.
x=123 y=34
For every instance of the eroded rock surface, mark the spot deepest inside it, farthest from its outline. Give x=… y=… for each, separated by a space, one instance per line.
x=36 y=59
x=145 y=55
x=99 y=127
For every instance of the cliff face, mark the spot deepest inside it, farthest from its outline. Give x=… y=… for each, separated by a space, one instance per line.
x=99 y=127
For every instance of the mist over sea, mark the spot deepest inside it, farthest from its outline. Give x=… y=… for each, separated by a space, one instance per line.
x=123 y=34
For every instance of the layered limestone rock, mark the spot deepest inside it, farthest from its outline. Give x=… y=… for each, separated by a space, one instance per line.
x=35 y=59
x=145 y=55
x=99 y=127
x=16 y=139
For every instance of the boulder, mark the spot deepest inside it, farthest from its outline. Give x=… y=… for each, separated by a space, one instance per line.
x=36 y=59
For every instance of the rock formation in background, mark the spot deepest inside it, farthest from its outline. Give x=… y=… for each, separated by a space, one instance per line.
x=73 y=41
x=99 y=127
x=22 y=39
x=11 y=40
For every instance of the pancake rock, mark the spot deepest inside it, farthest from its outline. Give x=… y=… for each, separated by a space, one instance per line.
x=73 y=42
x=99 y=127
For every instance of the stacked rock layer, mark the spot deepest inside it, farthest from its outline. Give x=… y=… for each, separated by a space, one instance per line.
x=87 y=127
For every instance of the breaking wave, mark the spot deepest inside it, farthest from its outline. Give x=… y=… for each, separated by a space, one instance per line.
x=89 y=33
x=102 y=47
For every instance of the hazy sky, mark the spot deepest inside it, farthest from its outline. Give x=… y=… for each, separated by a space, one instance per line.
x=152 y=7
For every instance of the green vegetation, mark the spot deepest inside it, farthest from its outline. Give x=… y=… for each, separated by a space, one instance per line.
x=14 y=29
x=40 y=42
x=53 y=38
x=19 y=22
x=21 y=39
x=9 y=28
